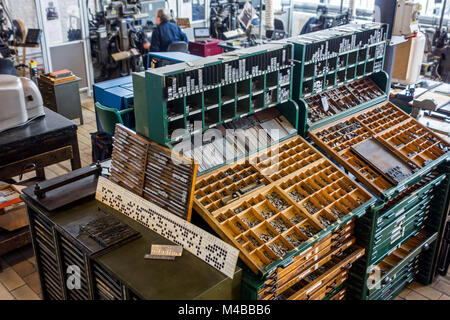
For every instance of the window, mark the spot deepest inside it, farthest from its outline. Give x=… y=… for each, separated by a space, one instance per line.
x=198 y=10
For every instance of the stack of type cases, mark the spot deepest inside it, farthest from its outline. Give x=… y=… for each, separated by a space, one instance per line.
x=179 y=101
x=57 y=253
x=290 y=212
x=399 y=232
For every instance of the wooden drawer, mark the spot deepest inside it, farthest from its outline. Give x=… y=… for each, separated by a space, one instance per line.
x=41 y=160
x=306 y=288
x=341 y=295
x=312 y=253
x=403 y=135
x=296 y=198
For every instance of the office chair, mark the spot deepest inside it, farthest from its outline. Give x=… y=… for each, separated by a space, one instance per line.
x=108 y=117
x=178 y=46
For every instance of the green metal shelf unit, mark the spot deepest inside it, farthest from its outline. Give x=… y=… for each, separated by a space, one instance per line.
x=179 y=101
x=332 y=58
x=328 y=106
x=389 y=225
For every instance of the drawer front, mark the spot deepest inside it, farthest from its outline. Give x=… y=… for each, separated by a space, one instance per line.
x=385 y=248
x=392 y=283
x=328 y=242
x=389 y=217
x=318 y=251
x=106 y=286
x=418 y=213
x=305 y=292
x=400 y=219
x=395 y=291
x=314 y=265
x=45 y=247
x=71 y=256
x=400 y=262
x=396 y=286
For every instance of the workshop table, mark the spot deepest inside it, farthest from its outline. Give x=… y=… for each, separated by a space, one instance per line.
x=40 y=143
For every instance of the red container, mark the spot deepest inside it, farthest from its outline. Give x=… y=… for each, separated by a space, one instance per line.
x=205 y=49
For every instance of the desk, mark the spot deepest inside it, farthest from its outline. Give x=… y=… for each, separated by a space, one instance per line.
x=40 y=143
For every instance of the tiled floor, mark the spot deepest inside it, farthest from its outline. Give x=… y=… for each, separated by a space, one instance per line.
x=19 y=279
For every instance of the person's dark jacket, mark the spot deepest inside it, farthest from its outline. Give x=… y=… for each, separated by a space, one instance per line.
x=164 y=34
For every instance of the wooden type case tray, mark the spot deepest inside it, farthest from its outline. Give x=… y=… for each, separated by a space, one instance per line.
x=405 y=137
x=326 y=278
x=342 y=98
x=153 y=172
x=300 y=193
x=391 y=266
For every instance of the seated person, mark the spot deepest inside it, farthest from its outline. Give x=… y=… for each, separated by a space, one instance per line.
x=165 y=33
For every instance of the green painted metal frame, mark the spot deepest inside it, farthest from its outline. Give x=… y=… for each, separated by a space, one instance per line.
x=380 y=78
x=299 y=53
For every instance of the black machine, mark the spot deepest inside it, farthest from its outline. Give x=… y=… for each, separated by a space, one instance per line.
x=118 y=36
x=441 y=52
x=8 y=30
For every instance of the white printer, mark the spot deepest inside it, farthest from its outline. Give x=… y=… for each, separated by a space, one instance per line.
x=20 y=101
